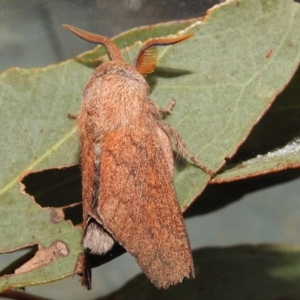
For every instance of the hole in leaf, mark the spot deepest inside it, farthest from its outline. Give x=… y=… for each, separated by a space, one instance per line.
x=16 y=259
x=61 y=188
x=74 y=213
x=58 y=188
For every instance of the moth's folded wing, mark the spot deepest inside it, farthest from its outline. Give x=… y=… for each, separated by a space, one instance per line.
x=138 y=205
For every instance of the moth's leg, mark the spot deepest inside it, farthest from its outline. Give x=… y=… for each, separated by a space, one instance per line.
x=83 y=270
x=181 y=148
x=72 y=116
x=168 y=109
x=158 y=112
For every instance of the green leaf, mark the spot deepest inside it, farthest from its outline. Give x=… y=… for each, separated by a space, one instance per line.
x=224 y=79
x=278 y=129
x=233 y=80
x=37 y=135
x=281 y=159
x=240 y=272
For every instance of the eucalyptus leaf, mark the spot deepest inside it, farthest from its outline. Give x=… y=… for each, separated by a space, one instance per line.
x=224 y=79
x=38 y=135
x=273 y=144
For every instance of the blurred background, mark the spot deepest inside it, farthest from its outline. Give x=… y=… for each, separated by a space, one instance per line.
x=31 y=36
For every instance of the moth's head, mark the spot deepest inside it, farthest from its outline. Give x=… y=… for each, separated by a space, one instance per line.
x=146 y=59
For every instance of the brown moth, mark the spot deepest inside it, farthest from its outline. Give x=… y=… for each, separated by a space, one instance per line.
x=127 y=168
